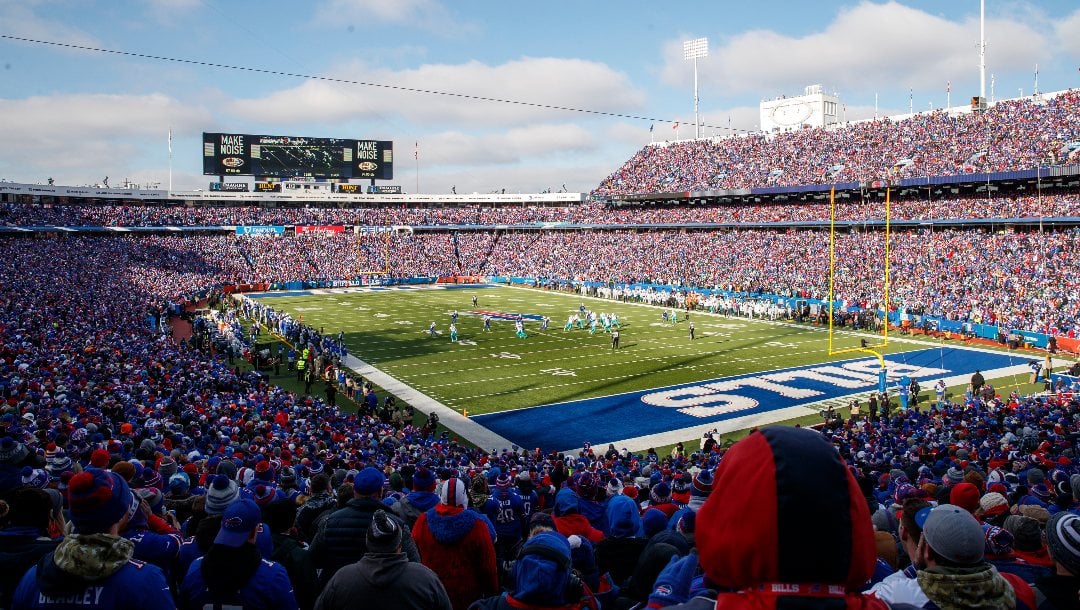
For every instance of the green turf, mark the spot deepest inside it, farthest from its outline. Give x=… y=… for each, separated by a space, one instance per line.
x=491 y=371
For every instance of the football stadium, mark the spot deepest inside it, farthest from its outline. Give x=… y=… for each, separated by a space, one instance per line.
x=823 y=362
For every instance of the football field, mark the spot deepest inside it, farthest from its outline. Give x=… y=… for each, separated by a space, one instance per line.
x=559 y=389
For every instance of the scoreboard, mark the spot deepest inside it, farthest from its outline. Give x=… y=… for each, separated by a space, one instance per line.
x=233 y=154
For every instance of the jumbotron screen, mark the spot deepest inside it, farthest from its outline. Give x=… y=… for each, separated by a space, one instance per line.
x=235 y=154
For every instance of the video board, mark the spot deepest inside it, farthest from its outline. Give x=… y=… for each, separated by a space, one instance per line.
x=233 y=154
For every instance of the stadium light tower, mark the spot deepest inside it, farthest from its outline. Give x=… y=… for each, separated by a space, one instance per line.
x=695 y=50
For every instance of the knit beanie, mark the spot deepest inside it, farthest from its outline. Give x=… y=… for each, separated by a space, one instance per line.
x=384 y=534
x=167 y=467
x=179 y=484
x=98 y=499
x=1063 y=540
x=966 y=496
x=221 y=493
x=700 y=489
x=423 y=479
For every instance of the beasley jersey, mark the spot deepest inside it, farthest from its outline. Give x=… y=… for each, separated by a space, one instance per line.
x=530 y=503
x=136 y=585
x=505 y=509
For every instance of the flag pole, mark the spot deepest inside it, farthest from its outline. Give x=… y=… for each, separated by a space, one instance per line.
x=416 y=156
x=170 y=158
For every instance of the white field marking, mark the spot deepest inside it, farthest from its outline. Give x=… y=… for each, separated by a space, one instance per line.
x=308 y=308
x=466 y=342
x=404 y=322
x=362 y=308
x=506 y=355
x=560 y=372
x=381 y=315
x=670 y=437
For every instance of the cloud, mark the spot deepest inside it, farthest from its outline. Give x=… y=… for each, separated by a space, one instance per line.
x=76 y=135
x=571 y=83
x=25 y=23
x=423 y=14
x=867 y=46
x=1068 y=35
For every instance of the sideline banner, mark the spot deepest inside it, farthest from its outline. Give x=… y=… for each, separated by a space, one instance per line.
x=319 y=229
x=261 y=230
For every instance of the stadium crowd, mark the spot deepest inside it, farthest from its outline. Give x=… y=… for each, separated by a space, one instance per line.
x=1010 y=135
x=179 y=480
x=139 y=471
x=1050 y=204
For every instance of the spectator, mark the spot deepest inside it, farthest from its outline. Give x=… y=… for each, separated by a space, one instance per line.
x=1060 y=589
x=93 y=568
x=456 y=543
x=24 y=539
x=384 y=578
x=233 y=573
x=542 y=578
x=340 y=540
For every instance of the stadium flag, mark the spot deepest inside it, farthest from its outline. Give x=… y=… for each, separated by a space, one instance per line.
x=651 y=127
x=948 y=86
x=675 y=126
x=416 y=151
x=170 y=140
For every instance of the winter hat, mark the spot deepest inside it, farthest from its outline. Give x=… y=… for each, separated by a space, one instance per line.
x=565 y=501
x=34 y=477
x=167 y=467
x=179 y=484
x=1063 y=540
x=423 y=479
x=263 y=494
x=1074 y=483
x=99 y=458
x=58 y=463
x=954 y=475
x=151 y=478
x=125 y=470
x=503 y=480
x=542 y=570
x=369 y=482
x=953 y=533
x=288 y=477
x=1036 y=512
x=993 y=504
x=700 y=489
x=883 y=520
x=384 y=534
x=153 y=498
x=222 y=492
x=653 y=520
x=783 y=476
x=614 y=488
x=238 y=522
x=264 y=471
x=1027 y=534
x=542 y=520
x=12 y=451
x=966 y=496
x=98 y=499
x=999 y=542
x=1041 y=491
x=452 y=493
x=1035 y=476
x=227 y=468
x=660 y=493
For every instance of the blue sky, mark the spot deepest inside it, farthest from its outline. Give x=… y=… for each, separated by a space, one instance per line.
x=77 y=116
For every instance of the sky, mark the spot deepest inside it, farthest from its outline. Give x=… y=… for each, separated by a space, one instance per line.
x=615 y=68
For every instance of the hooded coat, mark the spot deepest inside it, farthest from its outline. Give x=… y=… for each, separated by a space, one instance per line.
x=93 y=571
x=787 y=525
x=456 y=544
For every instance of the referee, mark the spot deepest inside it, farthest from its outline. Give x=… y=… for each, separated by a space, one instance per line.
x=615 y=339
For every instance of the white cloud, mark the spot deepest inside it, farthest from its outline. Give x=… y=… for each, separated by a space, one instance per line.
x=573 y=83
x=428 y=15
x=80 y=136
x=867 y=46
x=1068 y=35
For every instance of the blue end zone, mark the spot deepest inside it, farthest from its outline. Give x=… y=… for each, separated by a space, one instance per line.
x=613 y=418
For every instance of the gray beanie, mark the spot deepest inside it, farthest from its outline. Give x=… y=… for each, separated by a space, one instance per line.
x=955 y=475
x=222 y=492
x=953 y=533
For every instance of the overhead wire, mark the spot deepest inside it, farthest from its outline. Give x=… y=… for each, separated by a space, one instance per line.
x=333 y=79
